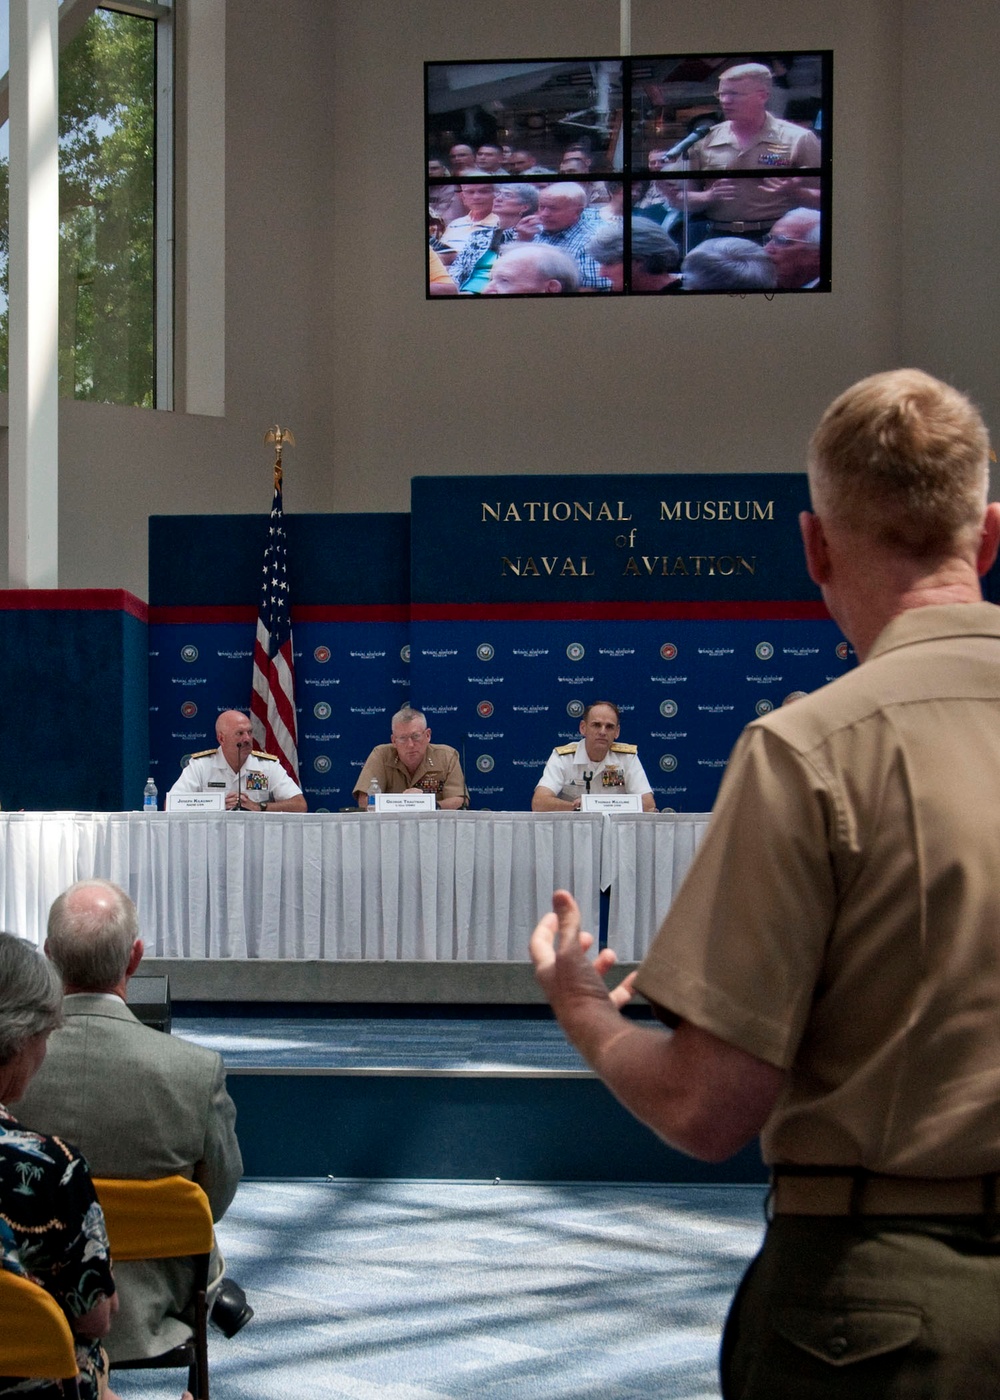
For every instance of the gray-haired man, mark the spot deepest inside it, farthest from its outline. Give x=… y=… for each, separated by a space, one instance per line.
x=137 y=1103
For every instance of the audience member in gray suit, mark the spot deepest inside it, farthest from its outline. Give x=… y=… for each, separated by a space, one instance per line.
x=137 y=1103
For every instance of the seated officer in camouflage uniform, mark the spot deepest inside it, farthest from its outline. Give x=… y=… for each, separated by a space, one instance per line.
x=253 y=781
x=596 y=763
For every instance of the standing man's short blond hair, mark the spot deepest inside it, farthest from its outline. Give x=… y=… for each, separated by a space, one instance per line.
x=757 y=73
x=904 y=460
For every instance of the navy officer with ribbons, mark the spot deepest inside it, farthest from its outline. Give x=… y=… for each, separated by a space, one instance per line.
x=595 y=763
x=253 y=781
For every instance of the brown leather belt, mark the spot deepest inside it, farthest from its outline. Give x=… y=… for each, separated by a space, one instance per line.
x=825 y=1191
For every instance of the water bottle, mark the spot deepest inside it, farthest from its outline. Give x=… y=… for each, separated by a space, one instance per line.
x=149 y=796
x=373 y=791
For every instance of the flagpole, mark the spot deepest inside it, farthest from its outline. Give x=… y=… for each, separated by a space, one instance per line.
x=272 y=700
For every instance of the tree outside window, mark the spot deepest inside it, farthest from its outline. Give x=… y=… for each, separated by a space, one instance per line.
x=107 y=86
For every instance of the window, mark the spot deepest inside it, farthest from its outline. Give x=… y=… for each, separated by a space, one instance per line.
x=114 y=333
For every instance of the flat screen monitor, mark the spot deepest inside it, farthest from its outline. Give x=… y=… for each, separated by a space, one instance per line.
x=671 y=174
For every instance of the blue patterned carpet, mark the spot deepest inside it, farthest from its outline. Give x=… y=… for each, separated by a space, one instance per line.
x=379 y=1290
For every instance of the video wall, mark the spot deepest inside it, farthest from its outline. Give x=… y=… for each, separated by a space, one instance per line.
x=672 y=173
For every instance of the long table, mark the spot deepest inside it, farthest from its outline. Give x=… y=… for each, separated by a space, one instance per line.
x=451 y=886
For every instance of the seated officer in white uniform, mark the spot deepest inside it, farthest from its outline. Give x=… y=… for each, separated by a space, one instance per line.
x=596 y=763
x=253 y=781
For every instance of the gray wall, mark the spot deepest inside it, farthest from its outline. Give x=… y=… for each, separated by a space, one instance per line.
x=327 y=329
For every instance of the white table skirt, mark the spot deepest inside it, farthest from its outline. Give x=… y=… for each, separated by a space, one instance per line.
x=454 y=886
x=436 y=885
x=644 y=860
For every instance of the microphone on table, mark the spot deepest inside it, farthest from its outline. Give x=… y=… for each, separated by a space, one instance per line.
x=587 y=778
x=682 y=147
x=466 y=801
x=241 y=744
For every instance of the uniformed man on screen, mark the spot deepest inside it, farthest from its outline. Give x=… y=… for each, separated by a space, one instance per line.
x=596 y=763
x=253 y=781
x=750 y=138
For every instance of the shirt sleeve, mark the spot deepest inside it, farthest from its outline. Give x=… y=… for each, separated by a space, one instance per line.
x=280 y=785
x=741 y=950
x=221 y=1168
x=373 y=769
x=637 y=780
x=189 y=779
x=79 y=1274
x=454 y=779
x=552 y=777
x=807 y=149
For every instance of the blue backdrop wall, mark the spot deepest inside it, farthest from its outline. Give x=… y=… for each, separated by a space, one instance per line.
x=501 y=606
x=73 y=698
x=684 y=599
x=349 y=577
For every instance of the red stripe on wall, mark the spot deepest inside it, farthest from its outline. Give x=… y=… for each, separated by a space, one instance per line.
x=73 y=600
x=618 y=612
x=308 y=613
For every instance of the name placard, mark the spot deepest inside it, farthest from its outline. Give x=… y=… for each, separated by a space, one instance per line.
x=611 y=802
x=405 y=802
x=196 y=801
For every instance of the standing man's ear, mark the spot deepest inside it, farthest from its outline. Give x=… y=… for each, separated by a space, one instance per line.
x=989 y=539
x=816 y=549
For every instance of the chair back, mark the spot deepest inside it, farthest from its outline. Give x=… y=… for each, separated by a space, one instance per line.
x=35 y=1339
x=167 y=1218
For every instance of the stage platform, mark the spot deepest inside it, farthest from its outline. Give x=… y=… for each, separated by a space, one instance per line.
x=217 y=981
x=464 y=1097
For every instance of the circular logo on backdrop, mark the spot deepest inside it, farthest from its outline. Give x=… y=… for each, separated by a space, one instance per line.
x=668 y=708
x=764 y=707
x=484 y=709
x=404 y=653
x=484 y=763
x=322 y=654
x=794 y=695
x=189 y=709
x=575 y=709
x=485 y=652
x=322 y=764
x=842 y=651
x=763 y=651
x=668 y=651
x=189 y=654
x=576 y=651
x=668 y=763
x=185 y=759
x=323 y=709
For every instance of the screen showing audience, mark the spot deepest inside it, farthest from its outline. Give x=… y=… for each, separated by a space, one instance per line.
x=677 y=174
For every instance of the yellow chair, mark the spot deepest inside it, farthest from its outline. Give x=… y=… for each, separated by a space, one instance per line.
x=35 y=1339
x=168 y=1218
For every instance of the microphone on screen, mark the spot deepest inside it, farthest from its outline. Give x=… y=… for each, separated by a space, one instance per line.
x=682 y=147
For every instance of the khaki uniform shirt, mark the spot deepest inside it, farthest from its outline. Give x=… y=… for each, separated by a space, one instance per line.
x=842 y=917
x=440 y=772
x=779 y=146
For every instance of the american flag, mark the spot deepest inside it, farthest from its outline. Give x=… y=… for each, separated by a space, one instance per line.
x=272 y=705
